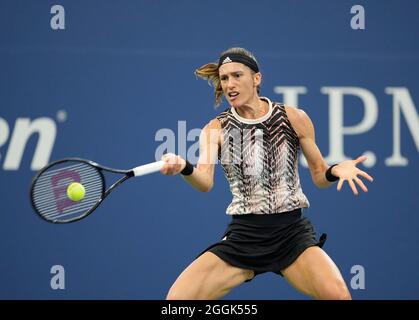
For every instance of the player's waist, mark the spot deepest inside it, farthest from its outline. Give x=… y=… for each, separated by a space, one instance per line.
x=268 y=218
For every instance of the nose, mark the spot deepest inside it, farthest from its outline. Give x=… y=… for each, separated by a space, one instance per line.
x=230 y=83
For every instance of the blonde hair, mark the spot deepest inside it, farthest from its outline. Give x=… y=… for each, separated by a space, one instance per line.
x=210 y=73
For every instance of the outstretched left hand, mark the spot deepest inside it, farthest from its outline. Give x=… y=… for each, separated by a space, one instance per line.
x=347 y=170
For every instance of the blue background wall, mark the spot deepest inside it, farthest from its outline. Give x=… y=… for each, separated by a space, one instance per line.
x=121 y=71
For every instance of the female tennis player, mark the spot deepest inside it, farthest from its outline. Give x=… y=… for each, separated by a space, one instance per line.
x=257 y=142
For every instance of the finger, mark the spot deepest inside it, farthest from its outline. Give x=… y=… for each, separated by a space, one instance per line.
x=172 y=169
x=361 y=184
x=168 y=170
x=163 y=169
x=171 y=158
x=168 y=158
x=175 y=170
x=340 y=183
x=178 y=160
x=366 y=176
x=360 y=159
x=353 y=187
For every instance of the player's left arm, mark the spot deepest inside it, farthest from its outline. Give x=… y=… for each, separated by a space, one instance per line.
x=345 y=171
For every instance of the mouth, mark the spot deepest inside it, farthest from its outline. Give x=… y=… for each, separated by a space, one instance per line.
x=233 y=95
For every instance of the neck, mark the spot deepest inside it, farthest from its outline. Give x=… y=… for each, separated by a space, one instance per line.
x=254 y=109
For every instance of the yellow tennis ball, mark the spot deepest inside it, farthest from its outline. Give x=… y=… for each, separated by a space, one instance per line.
x=76 y=191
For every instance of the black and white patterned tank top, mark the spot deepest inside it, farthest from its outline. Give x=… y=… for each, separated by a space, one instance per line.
x=260 y=161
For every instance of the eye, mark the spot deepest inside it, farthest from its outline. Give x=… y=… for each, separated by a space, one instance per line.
x=223 y=78
x=237 y=75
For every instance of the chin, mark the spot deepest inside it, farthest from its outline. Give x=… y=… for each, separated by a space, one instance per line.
x=236 y=103
x=233 y=104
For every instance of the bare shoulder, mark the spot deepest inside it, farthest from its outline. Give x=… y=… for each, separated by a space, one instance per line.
x=211 y=131
x=213 y=124
x=299 y=120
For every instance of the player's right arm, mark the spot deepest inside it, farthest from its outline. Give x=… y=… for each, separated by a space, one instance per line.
x=202 y=177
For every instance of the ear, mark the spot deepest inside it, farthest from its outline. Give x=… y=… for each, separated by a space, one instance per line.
x=257 y=79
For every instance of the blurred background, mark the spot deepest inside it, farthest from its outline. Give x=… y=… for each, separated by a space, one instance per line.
x=114 y=82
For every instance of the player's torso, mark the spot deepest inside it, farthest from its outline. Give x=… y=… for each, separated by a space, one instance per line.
x=259 y=159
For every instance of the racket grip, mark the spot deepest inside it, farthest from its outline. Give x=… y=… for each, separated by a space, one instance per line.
x=148 y=168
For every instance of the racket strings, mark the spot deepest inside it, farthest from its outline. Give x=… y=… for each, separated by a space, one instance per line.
x=50 y=190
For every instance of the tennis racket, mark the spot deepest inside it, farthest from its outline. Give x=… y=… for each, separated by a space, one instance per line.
x=48 y=190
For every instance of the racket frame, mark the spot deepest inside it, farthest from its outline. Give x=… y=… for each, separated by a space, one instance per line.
x=105 y=192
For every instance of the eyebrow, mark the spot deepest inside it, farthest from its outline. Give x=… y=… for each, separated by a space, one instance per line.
x=233 y=72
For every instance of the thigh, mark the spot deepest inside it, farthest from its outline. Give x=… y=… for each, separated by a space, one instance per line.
x=315 y=274
x=208 y=277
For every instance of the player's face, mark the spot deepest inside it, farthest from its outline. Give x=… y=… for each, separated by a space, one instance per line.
x=239 y=83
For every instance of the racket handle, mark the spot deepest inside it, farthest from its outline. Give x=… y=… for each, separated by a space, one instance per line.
x=148 y=168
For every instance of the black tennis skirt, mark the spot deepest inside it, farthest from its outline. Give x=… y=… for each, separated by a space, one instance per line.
x=266 y=242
